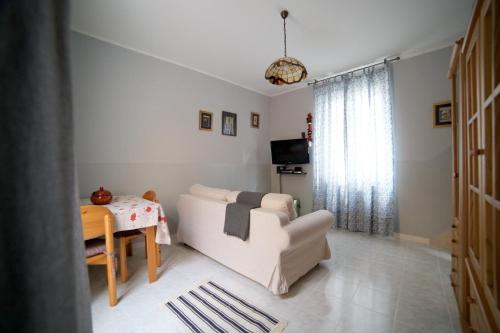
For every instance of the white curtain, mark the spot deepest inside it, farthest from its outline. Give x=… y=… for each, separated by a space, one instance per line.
x=353 y=150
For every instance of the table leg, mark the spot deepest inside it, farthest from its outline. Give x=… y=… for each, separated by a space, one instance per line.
x=151 y=250
x=123 y=260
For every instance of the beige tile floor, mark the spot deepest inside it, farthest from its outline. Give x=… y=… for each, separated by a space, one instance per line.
x=370 y=285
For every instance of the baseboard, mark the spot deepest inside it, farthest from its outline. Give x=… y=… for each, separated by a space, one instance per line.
x=443 y=240
x=411 y=238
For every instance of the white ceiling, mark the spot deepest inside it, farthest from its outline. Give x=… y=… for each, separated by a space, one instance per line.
x=235 y=40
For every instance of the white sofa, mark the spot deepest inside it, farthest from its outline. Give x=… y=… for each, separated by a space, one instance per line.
x=278 y=251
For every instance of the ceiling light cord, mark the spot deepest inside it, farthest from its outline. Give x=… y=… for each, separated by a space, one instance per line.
x=284 y=32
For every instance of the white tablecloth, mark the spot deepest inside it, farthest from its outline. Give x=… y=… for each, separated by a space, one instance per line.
x=133 y=212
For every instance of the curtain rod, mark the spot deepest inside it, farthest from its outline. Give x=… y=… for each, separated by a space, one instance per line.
x=385 y=61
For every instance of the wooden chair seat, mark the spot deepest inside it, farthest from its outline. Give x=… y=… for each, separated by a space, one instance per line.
x=128 y=233
x=94 y=247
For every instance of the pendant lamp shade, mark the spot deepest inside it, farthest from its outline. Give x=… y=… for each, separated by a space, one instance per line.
x=286 y=70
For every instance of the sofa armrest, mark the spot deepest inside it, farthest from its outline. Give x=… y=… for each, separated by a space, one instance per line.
x=307 y=227
x=266 y=229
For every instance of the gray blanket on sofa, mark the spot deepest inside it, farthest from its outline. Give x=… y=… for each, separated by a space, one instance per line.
x=237 y=222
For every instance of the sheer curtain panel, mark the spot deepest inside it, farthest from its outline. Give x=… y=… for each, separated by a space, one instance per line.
x=353 y=151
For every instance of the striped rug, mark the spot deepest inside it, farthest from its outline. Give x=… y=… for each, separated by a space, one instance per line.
x=213 y=308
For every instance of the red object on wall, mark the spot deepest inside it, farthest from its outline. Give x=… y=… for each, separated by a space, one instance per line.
x=309 y=127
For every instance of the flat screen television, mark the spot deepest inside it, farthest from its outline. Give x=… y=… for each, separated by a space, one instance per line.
x=294 y=151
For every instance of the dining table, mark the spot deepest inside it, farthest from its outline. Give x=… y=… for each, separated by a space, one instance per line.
x=132 y=212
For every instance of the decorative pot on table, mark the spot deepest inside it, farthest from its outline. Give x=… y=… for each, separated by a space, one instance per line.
x=101 y=197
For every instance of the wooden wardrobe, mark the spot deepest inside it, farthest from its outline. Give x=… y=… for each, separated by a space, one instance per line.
x=475 y=77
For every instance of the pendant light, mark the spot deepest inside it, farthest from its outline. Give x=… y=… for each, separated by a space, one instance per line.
x=286 y=70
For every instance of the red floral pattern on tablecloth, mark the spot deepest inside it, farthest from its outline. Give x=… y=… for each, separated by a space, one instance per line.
x=133 y=212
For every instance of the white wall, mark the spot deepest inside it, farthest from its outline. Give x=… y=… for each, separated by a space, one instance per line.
x=136 y=126
x=423 y=153
x=288 y=120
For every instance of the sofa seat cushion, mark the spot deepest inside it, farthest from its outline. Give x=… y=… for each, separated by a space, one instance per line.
x=209 y=192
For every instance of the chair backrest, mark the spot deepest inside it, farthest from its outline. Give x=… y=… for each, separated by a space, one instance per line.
x=96 y=221
x=150 y=195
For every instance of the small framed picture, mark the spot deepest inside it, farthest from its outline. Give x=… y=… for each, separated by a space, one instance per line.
x=205 y=120
x=254 y=120
x=229 y=123
x=441 y=114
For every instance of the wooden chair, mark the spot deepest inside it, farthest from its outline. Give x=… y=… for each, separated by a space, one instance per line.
x=98 y=221
x=126 y=238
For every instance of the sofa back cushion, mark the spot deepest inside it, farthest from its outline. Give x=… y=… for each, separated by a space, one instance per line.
x=232 y=196
x=280 y=202
x=275 y=201
x=209 y=192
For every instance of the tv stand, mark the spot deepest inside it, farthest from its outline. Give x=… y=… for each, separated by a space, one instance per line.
x=292 y=172
x=283 y=170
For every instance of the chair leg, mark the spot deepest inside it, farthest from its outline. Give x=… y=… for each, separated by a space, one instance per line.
x=158 y=255
x=110 y=267
x=123 y=260
x=145 y=248
x=129 y=249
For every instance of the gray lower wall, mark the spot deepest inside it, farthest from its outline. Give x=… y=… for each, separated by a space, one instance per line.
x=423 y=153
x=136 y=126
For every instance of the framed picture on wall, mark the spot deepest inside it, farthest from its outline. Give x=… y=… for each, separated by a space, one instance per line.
x=254 y=120
x=205 y=120
x=229 y=123
x=441 y=114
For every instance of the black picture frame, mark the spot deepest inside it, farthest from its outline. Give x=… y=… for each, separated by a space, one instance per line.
x=441 y=114
x=229 y=123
